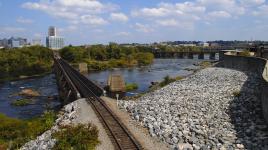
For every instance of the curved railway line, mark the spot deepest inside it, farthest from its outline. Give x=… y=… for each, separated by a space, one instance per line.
x=118 y=133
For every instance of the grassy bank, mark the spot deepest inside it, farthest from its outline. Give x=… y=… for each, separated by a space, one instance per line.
x=14 y=133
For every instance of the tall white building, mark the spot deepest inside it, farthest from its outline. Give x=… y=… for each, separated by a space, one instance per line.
x=52 y=31
x=53 y=41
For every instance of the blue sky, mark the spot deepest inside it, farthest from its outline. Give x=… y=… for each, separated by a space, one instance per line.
x=142 y=21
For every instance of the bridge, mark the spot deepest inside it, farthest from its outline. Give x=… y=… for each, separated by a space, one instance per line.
x=73 y=85
x=211 y=51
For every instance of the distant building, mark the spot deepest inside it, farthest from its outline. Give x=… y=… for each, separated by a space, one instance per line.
x=52 y=31
x=4 y=43
x=17 y=42
x=36 y=42
x=53 y=41
x=187 y=44
x=203 y=44
x=214 y=44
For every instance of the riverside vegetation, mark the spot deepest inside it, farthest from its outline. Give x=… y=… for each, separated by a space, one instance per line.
x=15 y=132
x=101 y=57
x=25 y=61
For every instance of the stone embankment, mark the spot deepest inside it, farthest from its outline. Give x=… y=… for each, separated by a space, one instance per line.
x=215 y=108
x=45 y=141
x=77 y=112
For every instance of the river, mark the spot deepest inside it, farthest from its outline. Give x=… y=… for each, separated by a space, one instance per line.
x=46 y=85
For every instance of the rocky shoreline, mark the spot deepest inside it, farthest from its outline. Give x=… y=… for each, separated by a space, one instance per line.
x=202 y=111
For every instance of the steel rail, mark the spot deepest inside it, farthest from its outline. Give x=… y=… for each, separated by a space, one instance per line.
x=86 y=91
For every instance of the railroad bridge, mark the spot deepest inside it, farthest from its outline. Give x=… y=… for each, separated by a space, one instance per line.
x=73 y=85
x=185 y=54
x=211 y=51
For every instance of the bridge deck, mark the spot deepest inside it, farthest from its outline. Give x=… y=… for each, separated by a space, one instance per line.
x=120 y=136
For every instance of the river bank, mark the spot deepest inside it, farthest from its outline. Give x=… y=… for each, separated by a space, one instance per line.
x=204 y=111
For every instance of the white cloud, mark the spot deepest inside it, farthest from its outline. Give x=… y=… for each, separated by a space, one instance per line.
x=219 y=14
x=93 y=20
x=169 y=9
x=168 y=22
x=24 y=20
x=151 y=12
x=143 y=28
x=123 y=34
x=75 y=12
x=261 y=11
x=233 y=7
x=68 y=29
x=250 y=3
x=118 y=17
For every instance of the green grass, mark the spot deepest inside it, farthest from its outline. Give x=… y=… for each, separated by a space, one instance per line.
x=131 y=86
x=79 y=137
x=21 y=102
x=14 y=133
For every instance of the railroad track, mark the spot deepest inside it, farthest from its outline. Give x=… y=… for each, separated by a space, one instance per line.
x=118 y=133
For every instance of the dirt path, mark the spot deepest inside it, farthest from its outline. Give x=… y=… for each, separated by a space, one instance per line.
x=139 y=132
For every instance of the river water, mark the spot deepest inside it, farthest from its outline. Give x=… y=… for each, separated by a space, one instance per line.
x=46 y=85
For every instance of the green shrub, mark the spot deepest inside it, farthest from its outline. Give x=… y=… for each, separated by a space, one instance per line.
x=79 y=137
x=166 y=81
x=21 y=102
x=14 y=133
x=131 y=86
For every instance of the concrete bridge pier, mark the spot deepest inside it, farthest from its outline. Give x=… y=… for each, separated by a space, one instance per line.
x=212 y=56
x=201 y=56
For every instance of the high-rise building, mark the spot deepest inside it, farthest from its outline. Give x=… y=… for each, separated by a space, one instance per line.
x=52 y=31
x=53 y=41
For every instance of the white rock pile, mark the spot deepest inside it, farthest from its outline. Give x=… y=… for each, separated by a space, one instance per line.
x=45 y=141
x=202 y=111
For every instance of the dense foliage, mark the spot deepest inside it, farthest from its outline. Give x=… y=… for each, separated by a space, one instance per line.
x=25 y=61
x=14 y=132
x=79 y=137
x=99 y=57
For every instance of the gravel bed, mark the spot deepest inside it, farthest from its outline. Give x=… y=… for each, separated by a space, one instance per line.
x=216 y=108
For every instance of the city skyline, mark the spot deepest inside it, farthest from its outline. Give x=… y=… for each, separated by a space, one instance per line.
x=92 y=21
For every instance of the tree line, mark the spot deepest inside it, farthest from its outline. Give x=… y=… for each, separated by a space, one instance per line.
x=99 y=57
x=25 y=61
